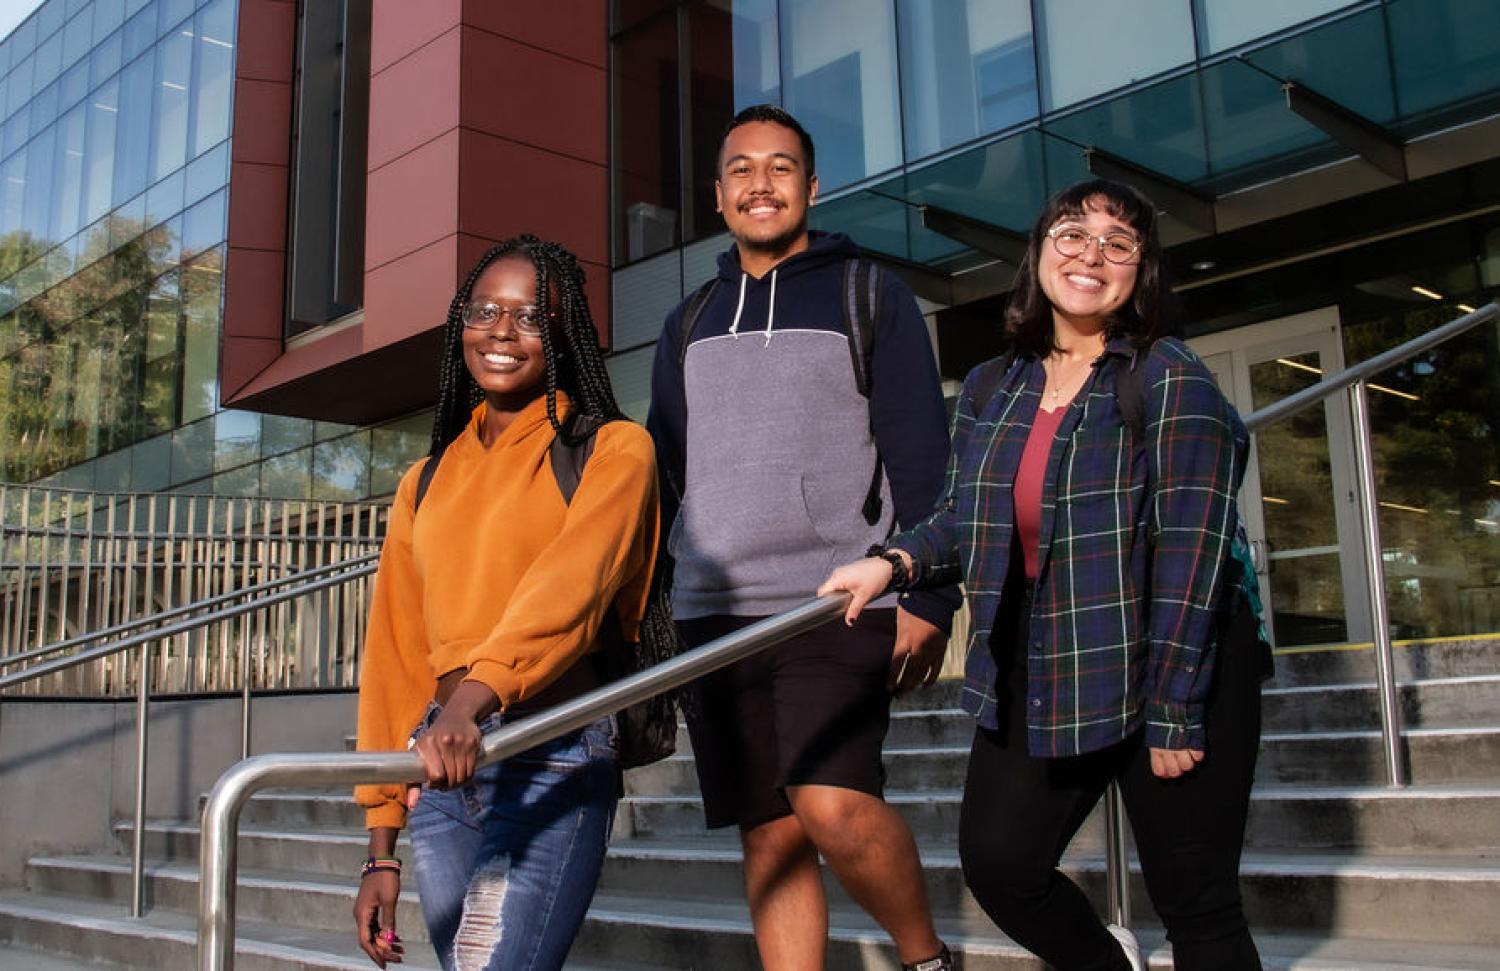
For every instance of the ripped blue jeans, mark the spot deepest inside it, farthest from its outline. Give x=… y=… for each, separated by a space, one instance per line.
x=507 y=863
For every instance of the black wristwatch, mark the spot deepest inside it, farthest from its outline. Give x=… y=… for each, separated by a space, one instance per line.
x=900 y=579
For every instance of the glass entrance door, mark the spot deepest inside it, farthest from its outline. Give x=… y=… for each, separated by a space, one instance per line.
x=1298 y=498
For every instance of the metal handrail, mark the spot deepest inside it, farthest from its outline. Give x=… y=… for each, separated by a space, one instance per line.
x=217 y=860
x=353 y=569
x=193 y=608
x=217 y=856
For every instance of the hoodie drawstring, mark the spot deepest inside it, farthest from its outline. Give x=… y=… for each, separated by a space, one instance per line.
x=734 y=328
x=771 y=310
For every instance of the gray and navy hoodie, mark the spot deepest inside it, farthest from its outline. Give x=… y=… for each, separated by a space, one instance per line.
x=765 y=443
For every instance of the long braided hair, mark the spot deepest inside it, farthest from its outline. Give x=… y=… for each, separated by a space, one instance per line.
x=577 y=367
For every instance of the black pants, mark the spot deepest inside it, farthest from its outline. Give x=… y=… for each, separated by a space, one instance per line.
x=1020 y=812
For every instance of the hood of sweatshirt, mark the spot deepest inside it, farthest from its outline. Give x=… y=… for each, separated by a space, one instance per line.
x=826 y=252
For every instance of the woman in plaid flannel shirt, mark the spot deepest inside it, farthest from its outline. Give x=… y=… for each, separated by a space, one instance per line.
x=1114 y=626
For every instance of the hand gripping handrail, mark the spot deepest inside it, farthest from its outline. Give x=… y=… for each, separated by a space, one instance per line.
x=217 y=856
x=217 y=860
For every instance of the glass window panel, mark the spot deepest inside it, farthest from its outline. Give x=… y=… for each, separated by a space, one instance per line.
x=174 y=62
x=200 y=284
x=108 y=14
x=1087 y=48
x=159 y=387
x=325 y=430
x=132 y=6
x=105 y=59
x=630 y=376
x=1346 y=61
x=876 y=220
x=151 y=464
x=112 y=472
x=73 y=6
x=44 y=108
x=203 y=225
x=642 y=296
x=1159 y=127
x=207 y=173
x=646 y=157
x=25 y=36
x=68 y=189
x=1252 y=135
x=1227 y=23
x=287 y=476
x=215 y=36
x=74 y=85
x=236 y=439
x=757 y=54
x=77 y=37
x=967 y=68
x=193 y=451
x=49 y=18
x=99 y=155
x=140 y=32
x=48 y=62
x=241 y=482
x=163 y=318
x=170 y=13
x=14 y=133
x=1002 y=183
x=341 y=467
x=394 y=447
x=18 y=90
x=133 y=130
x=12 y=209
x=164 y=198
x=39 y=161
x=282 y=433
x=839 y=65
x=1445 y=52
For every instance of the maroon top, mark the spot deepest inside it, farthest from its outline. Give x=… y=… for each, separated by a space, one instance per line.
x=1028 y=487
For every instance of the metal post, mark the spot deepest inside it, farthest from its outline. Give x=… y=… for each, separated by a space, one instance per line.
x=1116 y=860
x=138 y=838
x=1397 y=771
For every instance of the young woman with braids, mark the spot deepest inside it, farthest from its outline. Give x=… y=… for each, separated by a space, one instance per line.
x=490 y=603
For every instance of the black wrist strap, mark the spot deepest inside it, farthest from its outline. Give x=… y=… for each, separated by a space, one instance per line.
x=899 y=577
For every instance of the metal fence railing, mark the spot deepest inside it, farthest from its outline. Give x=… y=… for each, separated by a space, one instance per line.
x=77 y=565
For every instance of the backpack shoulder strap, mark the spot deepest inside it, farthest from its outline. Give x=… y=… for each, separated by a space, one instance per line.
x=570 y=451
x=861 y=310
x=989 y=382
x=1130 y=396
x=424 y=478
x=690 y=315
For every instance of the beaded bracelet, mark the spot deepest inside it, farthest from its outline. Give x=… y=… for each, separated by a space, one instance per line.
x=376 y=863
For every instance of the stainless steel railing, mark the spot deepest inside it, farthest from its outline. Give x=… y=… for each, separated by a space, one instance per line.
x=75 y=561
x=327 y=579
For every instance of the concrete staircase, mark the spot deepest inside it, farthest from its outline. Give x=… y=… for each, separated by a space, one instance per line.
x=1340 y=872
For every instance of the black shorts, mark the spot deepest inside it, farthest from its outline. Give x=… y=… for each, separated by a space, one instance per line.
x=812 y=710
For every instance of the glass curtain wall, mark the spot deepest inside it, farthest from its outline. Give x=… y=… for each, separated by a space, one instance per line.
x=884 y=86
x=114 y=165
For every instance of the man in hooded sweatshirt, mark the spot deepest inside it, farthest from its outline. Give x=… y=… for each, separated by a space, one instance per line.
x=776 y=467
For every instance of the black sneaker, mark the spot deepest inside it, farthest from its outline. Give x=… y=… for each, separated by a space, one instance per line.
x=942 y=961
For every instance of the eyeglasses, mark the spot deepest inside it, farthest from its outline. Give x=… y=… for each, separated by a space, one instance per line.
x=1070 y=241
x=528 y=320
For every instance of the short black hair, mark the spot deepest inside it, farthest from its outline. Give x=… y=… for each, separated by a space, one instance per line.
x=777 y=116
x=1149 y=314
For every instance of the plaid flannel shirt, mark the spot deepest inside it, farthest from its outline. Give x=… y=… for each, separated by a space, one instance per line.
x=1133 y=551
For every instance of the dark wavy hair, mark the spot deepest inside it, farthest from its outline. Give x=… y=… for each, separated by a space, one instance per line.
x=1148 y=314
x=577 y=367
x=776 y=116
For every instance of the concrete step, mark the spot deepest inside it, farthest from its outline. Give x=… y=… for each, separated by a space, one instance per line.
x=1354 y=757
x=1351 y=893
x=47 y=932
x=1417 y=819
x=70 y=927
x=1456 y=657
x=1440 y=900
x=695 y=934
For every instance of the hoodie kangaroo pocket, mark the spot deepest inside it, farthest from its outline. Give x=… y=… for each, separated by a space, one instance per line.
x=745 y=533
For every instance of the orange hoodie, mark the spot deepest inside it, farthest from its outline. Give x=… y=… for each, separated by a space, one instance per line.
x=500 y=575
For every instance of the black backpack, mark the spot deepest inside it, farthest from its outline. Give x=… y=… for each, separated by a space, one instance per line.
x=861 y=306
x=648 y=729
